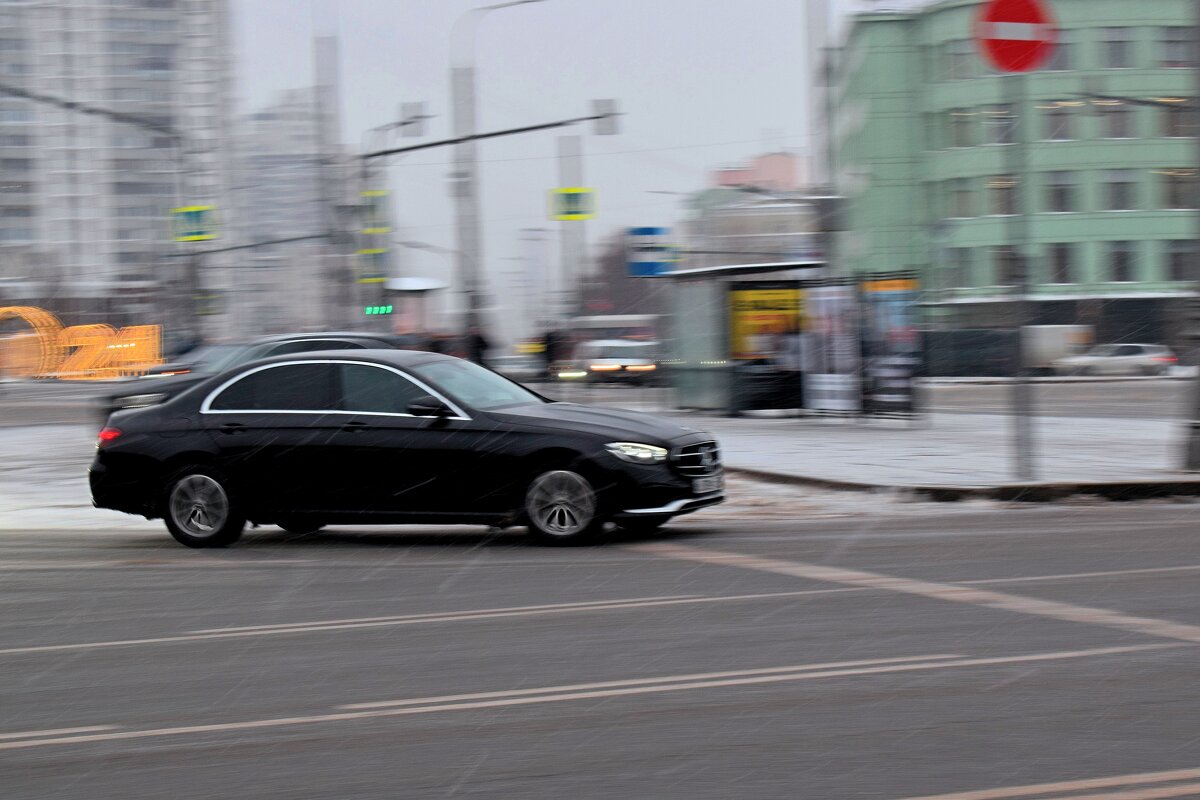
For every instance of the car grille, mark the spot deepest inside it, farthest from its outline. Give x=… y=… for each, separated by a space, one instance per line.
x=695 y=460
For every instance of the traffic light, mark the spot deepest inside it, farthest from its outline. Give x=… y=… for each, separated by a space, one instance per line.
x=372 y=311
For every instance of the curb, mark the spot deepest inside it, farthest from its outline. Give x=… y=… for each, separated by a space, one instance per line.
x=935 y=383
x=1019 y=492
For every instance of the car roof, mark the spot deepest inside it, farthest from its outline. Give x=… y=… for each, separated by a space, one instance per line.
x=395 y=358
x=290 y=337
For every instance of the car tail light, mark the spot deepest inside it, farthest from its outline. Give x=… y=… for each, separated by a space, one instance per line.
x=107 y=435
x=1166 y=359
x=605 y=367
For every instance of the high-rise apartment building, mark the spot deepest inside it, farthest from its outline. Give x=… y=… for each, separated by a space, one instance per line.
x=84 y=199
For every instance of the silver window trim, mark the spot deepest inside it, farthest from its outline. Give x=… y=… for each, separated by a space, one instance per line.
x=205 y=407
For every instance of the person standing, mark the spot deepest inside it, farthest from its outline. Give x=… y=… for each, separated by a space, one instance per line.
x=477 y=346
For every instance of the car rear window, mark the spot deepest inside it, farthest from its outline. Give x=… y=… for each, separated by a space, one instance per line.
x=291 y=387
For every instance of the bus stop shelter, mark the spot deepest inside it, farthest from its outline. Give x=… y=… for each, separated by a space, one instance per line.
x=729 y=334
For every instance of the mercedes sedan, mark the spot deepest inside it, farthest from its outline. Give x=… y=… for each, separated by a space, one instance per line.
x=392 y=436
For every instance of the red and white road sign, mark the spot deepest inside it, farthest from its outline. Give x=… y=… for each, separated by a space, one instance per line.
x=1016 y=35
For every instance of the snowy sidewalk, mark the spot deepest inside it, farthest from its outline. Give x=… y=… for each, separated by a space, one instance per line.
x=949 y=450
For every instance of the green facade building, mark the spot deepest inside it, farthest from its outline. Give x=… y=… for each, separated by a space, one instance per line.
x=921 y=138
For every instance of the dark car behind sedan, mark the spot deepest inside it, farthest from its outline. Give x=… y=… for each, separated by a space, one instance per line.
x=374 y=436
x=168 y=380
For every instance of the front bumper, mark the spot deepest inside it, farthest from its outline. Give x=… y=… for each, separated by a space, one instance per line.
x=683 y=505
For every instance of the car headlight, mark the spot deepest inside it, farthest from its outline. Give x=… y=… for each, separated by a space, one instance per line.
x=636 y=453
x=139 y=400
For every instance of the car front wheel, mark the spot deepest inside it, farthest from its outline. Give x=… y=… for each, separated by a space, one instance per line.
x=199 y=511
x=561 y=508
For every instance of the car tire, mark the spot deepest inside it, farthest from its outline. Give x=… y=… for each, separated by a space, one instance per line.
x=561 y=508
x=300 y=526
x=199 y=509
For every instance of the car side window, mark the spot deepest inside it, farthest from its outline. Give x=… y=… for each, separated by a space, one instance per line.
x=1129 y=350
x=292 y=387
x=375 y=389
x=312 y=345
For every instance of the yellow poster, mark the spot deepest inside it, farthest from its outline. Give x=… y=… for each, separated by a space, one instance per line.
x=760 y=320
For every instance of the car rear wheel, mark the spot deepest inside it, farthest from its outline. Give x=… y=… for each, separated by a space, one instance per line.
x=561 y=508
x=199 y=511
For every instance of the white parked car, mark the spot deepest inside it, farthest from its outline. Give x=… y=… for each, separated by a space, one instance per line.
x=1119 y=359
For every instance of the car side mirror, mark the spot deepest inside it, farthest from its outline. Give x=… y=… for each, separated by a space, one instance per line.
x=429 y=406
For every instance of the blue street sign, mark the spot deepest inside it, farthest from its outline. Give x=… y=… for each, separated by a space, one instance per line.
x=649 y=253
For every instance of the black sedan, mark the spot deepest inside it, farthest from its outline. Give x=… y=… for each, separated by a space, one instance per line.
x=168 y=380
x=392 y=436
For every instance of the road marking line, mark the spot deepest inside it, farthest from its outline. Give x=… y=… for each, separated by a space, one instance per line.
x=954 y=593
x=650 y=681
x=451 y=614
x=342 y=716
x=57 y=732
x=1070 y=786
x=1153 y=793
x=454 y=616
x=1105 y=574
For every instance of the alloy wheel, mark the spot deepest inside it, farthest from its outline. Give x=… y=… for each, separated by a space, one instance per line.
x=561 y=503
x=199 y=506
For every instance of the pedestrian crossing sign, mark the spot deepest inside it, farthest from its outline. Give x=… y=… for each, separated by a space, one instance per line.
x=572 y=203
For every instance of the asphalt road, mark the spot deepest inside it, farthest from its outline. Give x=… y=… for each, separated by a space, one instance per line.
x=62 y=403
x=879 y=657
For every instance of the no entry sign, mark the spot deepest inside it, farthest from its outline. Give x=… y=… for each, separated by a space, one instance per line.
x=1015 y=35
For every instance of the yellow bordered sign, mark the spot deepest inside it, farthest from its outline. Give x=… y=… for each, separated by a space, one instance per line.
x=375 y=212
x=572 y=203
x=194 y=223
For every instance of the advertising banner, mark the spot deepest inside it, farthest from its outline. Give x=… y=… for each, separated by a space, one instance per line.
x=891 y=344
x=832 y=379
x=765 y=320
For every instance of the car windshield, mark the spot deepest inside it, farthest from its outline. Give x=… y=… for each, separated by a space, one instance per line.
x=1103 y=350
x=476 y=386
x=214 y=357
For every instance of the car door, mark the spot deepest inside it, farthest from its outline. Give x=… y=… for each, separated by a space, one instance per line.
x=1128 y=360
x=273 y=425
x=395 y=462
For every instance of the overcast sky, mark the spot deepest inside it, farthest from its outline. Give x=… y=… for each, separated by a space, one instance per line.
x=702 y=83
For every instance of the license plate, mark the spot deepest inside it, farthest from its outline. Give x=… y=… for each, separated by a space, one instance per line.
x=707 y=485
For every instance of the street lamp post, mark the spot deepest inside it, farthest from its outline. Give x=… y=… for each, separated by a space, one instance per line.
x=466 y=190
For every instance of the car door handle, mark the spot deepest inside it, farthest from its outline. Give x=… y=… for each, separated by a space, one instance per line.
x=233 y=427
x=355 y=427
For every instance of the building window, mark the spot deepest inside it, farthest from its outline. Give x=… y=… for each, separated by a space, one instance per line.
x=1063 y=56
x=962 y=127
x=1179 y=121
x=1008 y=266
x=1061 y=192
x=1181 y=260
x=1179 y=188
x=962 y=198
x=1120 y=261
x=1116 y=48
x=1062 y=263
x=1120 y=190
x=1058 y=121
x=998 y=124
x=959 y=267
x=1176 y=46
x=1002 y=194
x=1116 y=120
x=962 y=59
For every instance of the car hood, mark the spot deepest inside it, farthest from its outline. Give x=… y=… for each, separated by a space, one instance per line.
x=613 y=423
